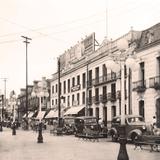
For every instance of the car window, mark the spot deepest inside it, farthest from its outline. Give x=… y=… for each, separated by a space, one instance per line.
x=135 y=119
x=116 y=121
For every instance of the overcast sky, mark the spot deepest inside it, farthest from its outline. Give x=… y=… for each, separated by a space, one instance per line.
x=56 y=25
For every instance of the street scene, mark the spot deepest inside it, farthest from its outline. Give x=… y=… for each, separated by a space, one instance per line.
x=79 y=80
x=23 y=146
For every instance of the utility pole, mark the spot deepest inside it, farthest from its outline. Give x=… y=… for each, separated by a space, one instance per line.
x=26 y=42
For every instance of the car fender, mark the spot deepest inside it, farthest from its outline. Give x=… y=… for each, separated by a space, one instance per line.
x=113 y=131
x=136 y=131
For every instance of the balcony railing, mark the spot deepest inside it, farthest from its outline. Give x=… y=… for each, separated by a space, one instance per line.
x=105 y=79
x=139 y=86
x=103 y=98
x=111 y=97
x=96 y=99
x=89 y=84
x=154 y=82
x=89 y=101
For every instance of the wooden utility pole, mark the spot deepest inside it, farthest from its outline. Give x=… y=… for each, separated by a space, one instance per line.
x=26 y=42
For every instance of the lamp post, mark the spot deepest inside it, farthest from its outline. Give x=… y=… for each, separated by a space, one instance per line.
x=116 y=63
x=13 y=104
x=40 y=92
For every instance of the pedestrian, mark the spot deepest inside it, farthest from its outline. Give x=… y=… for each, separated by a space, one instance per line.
x=153 y=125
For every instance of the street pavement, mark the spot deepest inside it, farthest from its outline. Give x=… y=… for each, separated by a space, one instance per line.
x=24 y=146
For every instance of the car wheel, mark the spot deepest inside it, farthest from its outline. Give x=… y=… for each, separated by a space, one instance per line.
x=133 y=137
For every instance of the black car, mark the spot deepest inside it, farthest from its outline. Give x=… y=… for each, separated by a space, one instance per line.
x=86 y=125
x=134 y=126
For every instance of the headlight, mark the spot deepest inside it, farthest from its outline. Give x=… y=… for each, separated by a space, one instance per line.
x=143 y=127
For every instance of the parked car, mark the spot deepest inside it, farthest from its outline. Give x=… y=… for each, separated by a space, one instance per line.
x=86 y=125
x=134 y=126
x=69 y=125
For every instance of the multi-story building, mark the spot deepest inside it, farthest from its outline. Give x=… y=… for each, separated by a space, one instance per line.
x=86 y=81
x=146 y=80
x=33 y=102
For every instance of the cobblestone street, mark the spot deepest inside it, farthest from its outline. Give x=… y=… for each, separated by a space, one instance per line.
x=24 y=146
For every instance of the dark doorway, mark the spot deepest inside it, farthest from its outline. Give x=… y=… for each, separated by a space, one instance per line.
x=158 y=112
x=141 y=108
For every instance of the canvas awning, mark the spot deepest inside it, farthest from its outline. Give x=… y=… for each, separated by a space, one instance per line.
x=73 y=110
x=40 y=115
x=52 y=114
x=30 y=114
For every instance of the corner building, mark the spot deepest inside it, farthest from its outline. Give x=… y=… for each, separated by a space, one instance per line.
x=86 y=81
x=146 y=79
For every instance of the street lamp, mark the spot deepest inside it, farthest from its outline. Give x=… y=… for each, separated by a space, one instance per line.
x=117 y=63
x=40 y=91
x=13 y=104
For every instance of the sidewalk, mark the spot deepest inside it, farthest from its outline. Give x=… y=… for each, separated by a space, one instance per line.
x=24 y=146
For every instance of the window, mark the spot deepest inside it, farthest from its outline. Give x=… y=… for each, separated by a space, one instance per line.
x=84 y=80
x=113 y=90
x=78 y=98
x=73 y=82
x=141 y=108
x=97 y=75
x=78 y=79
x=68 y=102
x=90 y=78
x=52 y=102
x=56 y=102
x=52 y=89
x=68 y=85
x=104 y=68
x=142 y=72
x=56 y=88
x=97 y=94
x=72 y=99
x=83 y=98
x=90 y=96
x=64 y=87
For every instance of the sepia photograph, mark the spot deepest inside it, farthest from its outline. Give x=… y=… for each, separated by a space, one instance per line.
x=79 y=79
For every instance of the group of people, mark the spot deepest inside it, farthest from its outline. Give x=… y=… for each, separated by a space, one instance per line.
x=154 y=129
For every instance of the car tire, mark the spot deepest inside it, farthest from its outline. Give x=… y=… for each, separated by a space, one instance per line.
x=133 y=137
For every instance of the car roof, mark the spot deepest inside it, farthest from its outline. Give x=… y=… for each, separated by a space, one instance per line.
x=127 y=116
x=85 y=117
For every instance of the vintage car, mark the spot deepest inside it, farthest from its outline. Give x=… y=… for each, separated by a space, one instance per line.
x=69 y=125
x=86 y=125
x=134 y=126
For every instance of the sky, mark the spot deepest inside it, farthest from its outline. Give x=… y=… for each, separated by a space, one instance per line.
x=56 y=25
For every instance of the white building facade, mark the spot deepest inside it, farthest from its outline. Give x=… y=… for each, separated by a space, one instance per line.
x=87 y=82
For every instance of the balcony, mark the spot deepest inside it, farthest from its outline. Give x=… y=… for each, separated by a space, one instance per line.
x=154 y=82
x=105 y=79
x=103 y=98
x=95 y=99
x=118 y=94
x=89 y=101
x=139 y=86
x=89 y=84
x=111 y=97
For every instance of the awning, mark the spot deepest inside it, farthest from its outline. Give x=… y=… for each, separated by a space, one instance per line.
x=30 y=114
x=24 y=115
x=40 y=115
x=73 y=110
x=52 y=114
